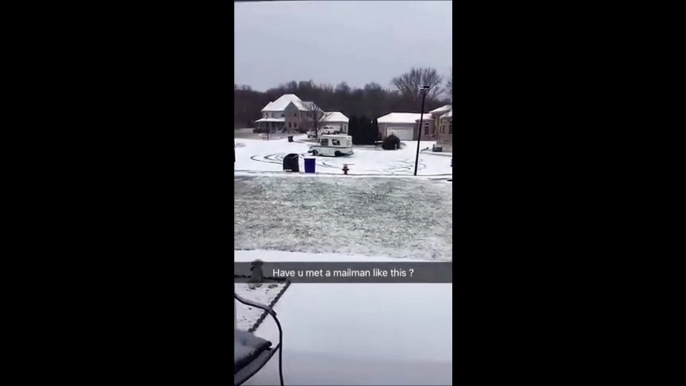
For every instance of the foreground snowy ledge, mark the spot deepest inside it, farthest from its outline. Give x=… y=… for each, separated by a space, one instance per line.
x=358 y=334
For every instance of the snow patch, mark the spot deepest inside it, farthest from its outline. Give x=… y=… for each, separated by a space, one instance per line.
x=248 y=316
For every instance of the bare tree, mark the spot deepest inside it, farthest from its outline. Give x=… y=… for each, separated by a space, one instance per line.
x=449 y=85
x=374 y=98
x=410 y=83
x=316 y=114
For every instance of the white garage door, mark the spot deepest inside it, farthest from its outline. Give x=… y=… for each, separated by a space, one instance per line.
x=404 y=133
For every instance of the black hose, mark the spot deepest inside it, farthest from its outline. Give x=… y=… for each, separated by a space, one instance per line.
x=278 y=325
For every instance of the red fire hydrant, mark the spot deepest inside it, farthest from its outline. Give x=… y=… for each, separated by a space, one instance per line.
x=345 y=169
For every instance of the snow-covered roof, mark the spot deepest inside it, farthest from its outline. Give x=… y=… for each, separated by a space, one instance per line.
x=442 y=109
x=402 y=118
x=448 y=115
x=335 y=116
x=271 y=120
x=285 y=100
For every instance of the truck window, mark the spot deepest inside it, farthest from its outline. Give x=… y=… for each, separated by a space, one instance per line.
x=335 y=142
x=325 y=142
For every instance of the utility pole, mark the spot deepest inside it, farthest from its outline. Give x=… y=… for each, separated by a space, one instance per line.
x=424 y=90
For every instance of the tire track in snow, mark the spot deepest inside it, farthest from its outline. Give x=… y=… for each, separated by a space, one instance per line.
x=397 y=167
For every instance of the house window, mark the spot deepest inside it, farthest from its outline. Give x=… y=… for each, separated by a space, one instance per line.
x=283 y=115
x=295 y=114
x=426 y=130
x=450 y=128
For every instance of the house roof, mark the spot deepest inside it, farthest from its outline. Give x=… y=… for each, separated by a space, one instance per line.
x=442 y=109
x=448 y=115
x=402 y=118
x=335 y=116
x=285 y=100
x=271 y=120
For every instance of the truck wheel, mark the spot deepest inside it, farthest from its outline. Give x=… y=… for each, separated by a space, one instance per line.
x=314 y=152
x=338 y=153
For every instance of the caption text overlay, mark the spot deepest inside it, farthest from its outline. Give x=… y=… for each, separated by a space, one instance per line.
x=342 y=272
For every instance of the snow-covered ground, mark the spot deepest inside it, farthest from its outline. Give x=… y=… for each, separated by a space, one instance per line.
x=358 y=334
x=352 y=334
x=393 y=217
x=257 y=155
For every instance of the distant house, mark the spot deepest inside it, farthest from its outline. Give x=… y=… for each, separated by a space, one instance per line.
x=288 y=111
x=291 y=113
x=431 y=130
x=404 y=125
x=445 y=131
x=335 y=120
x=438 y=126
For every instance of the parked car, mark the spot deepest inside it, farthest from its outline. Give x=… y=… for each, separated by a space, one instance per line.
x=333 y=145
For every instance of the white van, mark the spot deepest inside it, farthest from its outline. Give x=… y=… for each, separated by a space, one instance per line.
x=333 y=145
x=322 y=131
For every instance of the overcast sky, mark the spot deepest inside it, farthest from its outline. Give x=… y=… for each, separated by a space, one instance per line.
x=334 y=41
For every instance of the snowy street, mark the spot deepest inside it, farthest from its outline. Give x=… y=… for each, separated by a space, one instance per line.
x=259 y=156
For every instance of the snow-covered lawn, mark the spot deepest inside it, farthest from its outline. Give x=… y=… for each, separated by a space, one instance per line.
x=393 y=217
x=255 y=155
x=358 y=334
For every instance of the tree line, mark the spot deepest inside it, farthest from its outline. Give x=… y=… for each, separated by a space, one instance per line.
x=370 y=101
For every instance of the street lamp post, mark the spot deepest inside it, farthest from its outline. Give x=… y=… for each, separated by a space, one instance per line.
x=424 y=90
